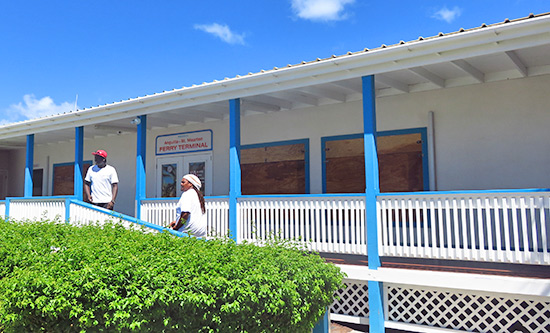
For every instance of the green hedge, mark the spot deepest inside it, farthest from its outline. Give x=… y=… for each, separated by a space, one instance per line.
x=58 y=278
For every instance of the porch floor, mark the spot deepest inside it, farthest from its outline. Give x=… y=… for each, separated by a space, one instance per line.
x=458 y=266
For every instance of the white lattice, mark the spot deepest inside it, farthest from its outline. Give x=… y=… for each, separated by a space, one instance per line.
x=353 y=300
x=467 y=312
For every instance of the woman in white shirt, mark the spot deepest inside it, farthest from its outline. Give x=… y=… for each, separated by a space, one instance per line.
x=190 y=211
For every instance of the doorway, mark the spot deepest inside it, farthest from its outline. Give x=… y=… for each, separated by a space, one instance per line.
x=171 y=169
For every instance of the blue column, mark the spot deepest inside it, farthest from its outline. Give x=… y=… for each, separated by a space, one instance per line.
x=141 y=160
x=29 y=166
x=372 y=189
x=234 y=163
x=323 y=325
x=78 y=162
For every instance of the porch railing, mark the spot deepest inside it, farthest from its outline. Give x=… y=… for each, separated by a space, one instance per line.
x=325 y=223
x=161 y=211
x=37 y=208
x=497 y=226
x=71 y=210
x=2 y=208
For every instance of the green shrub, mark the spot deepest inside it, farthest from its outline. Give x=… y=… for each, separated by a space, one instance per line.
x=58 y=278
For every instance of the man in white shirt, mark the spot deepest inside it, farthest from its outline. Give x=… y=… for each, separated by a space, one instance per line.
x=101 y=182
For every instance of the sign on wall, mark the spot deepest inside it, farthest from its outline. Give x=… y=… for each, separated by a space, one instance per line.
x=187 y=142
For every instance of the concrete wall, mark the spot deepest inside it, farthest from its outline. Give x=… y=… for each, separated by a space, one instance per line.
x=487 y=136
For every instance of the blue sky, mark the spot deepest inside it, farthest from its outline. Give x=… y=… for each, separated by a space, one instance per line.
x=107 y=51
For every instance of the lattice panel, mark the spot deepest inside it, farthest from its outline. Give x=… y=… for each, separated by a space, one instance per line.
x=468 y=312
x=354 y=300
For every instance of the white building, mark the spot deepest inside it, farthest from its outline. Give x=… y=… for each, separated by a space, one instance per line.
x=461 y=125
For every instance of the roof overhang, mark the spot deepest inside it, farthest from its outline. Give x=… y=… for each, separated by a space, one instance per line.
x=498 y=52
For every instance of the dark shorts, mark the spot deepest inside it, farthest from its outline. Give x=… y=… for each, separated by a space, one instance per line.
x=102 y=205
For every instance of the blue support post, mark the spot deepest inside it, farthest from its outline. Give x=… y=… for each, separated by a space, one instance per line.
x=29 y=165
x=141 y=159
x=68 y=210
x=323 y=325
x=234 y=163
x=7 y=213
x=372 y=189
x=78 y=162
x=376 y=306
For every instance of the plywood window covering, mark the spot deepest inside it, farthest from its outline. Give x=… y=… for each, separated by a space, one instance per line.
x=63 y=178
x=37 y=181
x=277 y=169
x=399 y=162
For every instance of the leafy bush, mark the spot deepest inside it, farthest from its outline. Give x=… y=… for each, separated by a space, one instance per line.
x=61 y=278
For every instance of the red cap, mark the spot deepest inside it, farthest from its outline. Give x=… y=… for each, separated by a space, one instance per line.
x=101 y=153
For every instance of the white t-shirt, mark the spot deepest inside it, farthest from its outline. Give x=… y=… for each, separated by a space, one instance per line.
x=196 y=224
x=102 y=180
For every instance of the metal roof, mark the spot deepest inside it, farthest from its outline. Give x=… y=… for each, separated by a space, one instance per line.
x=507 y=50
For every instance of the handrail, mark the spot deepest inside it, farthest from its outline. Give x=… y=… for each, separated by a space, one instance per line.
x=61 y=207
x=127 y=218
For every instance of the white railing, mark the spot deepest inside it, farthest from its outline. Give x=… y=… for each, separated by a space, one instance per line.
x=81 y=215
x=217 y=216
x=2 y=209
x=162 y=211
x=45 y=208
x=333 y=223
x=496 y=226
x=70 y=210
x=159 y=211
x=510 y=227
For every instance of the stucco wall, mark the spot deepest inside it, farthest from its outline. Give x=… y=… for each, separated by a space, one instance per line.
x=13 y=161
x=121 y=151
x=487 y=136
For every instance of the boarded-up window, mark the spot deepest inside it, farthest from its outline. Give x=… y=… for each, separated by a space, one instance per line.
x=63 y=177
x=399 y=162
x=345 y=166
x=274 y=169
x=37 y=181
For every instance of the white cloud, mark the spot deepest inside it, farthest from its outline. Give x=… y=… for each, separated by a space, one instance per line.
x=32 y=108
x=320 y=10
x=221 y=31
x=447 y=15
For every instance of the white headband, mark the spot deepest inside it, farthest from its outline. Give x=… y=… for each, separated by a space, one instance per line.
x=193 y=180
